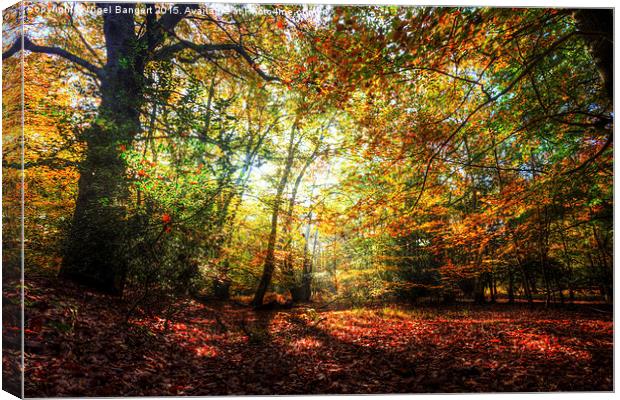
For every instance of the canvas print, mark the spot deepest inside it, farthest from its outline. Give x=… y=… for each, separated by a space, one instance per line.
x=242 y=199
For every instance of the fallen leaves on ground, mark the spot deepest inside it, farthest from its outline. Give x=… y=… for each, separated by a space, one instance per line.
x=80 y=343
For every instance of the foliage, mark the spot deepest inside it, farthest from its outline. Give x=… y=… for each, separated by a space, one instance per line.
x=360 y=153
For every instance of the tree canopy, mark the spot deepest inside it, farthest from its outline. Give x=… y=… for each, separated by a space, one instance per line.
x=320 y=151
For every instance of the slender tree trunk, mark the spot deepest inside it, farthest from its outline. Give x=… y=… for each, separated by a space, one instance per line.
x=297 y=287
x=511 y=287
x=305 y=289
x=221 y=284
x=526 y=284
x=288 y=269
x=493 y=288
x=269 y=264
x=306 y=282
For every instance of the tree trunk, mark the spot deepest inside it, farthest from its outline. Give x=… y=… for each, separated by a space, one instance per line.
x=479 y=296
x=305 y=289
x=493 y=288
x=306 y=282
x=221 y=286
x=511 y=287
x=526 y=284
x=269 y=265
x=94 y=253
x=598 y=28
x=296 y=287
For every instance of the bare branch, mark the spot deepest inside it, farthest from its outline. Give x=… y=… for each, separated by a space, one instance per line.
x=30 y=46
x=52 y=163
x=85 y=42
x=496 y=167
x=206 y=51
x=587 y=162
x=524 y=72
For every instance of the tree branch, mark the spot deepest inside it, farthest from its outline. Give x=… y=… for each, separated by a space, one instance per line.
x=587 y=162
x=30 y=46
x=496 y=167
x=156 y=30
x=206 y=49
x=524 y=72
x=52 y=163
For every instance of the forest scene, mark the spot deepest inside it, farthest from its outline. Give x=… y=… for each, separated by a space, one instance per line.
x=237 y=199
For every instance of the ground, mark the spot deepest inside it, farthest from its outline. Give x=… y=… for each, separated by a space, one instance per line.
x=80 y=343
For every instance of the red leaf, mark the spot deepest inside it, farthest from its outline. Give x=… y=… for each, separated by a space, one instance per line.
x=166 y=218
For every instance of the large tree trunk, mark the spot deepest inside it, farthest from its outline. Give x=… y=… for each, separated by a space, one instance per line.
x=597 y=26
x=94 y=252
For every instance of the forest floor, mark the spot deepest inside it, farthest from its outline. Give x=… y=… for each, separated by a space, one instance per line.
x=78 y=343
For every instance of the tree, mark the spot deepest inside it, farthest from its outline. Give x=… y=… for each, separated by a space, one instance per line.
x=413 y=152
x=94 y=252
x=283 y=177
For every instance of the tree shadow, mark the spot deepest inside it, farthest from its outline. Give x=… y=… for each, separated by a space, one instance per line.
x=225 y=350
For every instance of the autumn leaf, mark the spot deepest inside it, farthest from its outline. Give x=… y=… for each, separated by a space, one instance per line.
x=166 y=218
